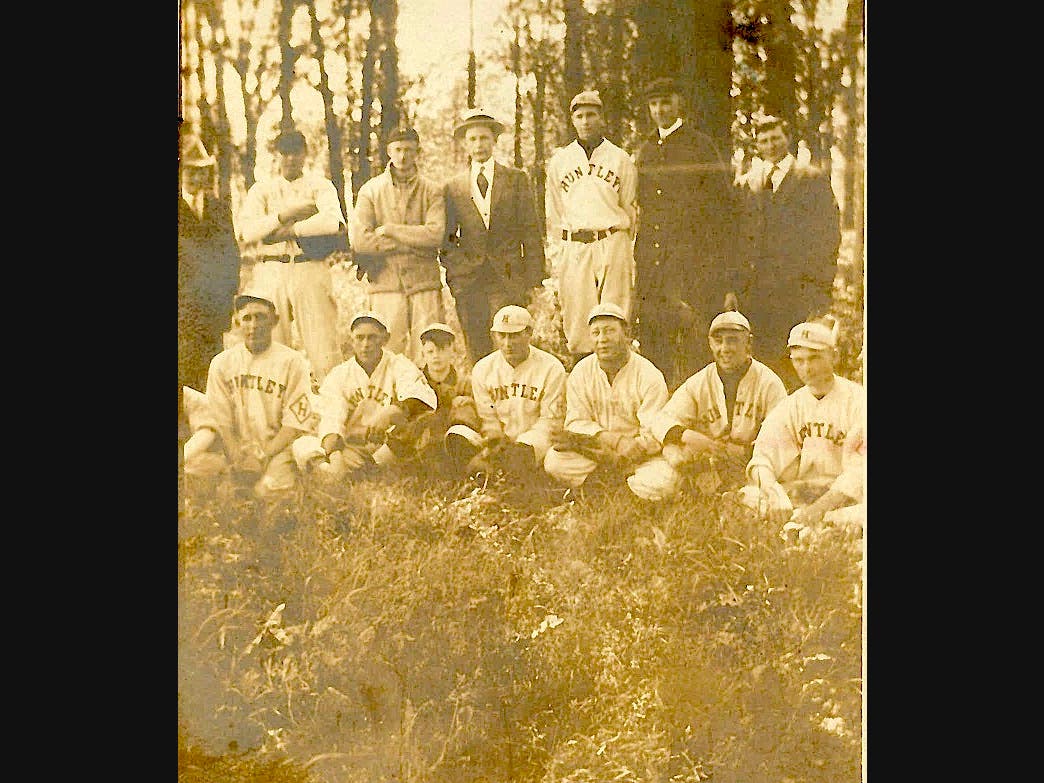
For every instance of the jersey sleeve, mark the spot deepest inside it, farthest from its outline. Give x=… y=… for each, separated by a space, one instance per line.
x=219 y=413
x=629 y=191
x=491 y=424
x=410 y=383
x=255 y=223
x=851 y=480
x=553 y=207
x=652 y=393
x=552 y=404
x=580 y=414
x=364 y=224
x=777 y=445
x=681 y=410
x=334 y=407
x=328 y=219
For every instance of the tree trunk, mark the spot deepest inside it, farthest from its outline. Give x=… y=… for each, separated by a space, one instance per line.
x=780 y=84
x=516 y=69
x=288 y=58
x=363 y=173
x=572 y=58
x=222 y=134
x=390 y=112
x=333 y=128
x=853 y=217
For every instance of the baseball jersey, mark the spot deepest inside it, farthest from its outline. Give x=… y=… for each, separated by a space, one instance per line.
x=699 y=404
x=351 y=398
x=516 y=400
x=258 y=216
x=254 y=395
x=627 y=406
x=816 y=441
x=593 y=194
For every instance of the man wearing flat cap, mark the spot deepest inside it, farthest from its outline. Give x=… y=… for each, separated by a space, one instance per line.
x=396 y=231
x=590 y=211
x=493 y=249
x=683 y=253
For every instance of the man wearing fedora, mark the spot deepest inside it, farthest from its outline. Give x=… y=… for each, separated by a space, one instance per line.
x=590 y=207
x=493 y=250
x=208 y=266
x=683 y=259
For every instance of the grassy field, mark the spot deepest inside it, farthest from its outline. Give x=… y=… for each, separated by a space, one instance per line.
x=423 y=630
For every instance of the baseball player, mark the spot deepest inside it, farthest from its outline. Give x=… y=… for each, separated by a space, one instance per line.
x=711 y=420
x=590 y=190
x=519 y=391
x=612 y=398
x=276 y=217
x=257 y=405
x=809 y=459
x=361 y=400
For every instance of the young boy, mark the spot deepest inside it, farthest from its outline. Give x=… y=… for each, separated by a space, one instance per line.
x=426 y=436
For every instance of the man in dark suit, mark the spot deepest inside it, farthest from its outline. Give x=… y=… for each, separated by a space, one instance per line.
x=208 y=267
x=791 y=239
x=493 y=252
x=684 y=248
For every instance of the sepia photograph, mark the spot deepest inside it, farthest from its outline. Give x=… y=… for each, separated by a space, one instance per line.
x=522 y=407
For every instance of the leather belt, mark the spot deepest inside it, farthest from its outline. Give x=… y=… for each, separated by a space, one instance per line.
x=586 y=235
x=286 y=259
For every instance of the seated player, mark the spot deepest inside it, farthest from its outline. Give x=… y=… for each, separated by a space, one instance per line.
x=809 y=459
x=519 y=392
x=256 y=407
x=361 y=401
x=612 y=397
x=711 y=420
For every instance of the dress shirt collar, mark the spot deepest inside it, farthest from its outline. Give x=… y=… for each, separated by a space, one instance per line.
x=665 y=132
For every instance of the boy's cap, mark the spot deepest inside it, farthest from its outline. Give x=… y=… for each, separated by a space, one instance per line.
x=606 y=308
x=402 y=133
x=511 y=319
x=730 y=319
x=586 y=98
x=369 y=315
x=253 y=294
x=818 y=337
x=437 y=327
x=661 y=88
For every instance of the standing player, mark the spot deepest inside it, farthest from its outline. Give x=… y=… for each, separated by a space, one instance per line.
x=519 y=391
x=710 y=422
x=276 y=214
x=590 y=204
x=612 y=398
x=361 y=400
x=257 y=405
x=811 y=452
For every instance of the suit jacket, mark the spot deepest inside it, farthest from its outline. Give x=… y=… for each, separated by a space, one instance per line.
x=686 y=223
x=510 y=253
x=208 y=265
x=794 y=233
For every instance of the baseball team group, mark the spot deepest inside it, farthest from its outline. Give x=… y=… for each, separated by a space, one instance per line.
x=673 y=272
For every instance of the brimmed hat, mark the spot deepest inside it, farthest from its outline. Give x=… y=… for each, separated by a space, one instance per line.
x=607 y=309
x=477 y=118
x=818 y=337
x=729 y=320
x=437 y=327
x=660 y=88
x=194 y=154
x=402 y=133
x=253 y=294
x=511 y=318
x=586 y=98
x=368 y=315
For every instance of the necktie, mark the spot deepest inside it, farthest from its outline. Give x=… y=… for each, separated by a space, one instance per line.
x=482 y=182
x=768 y=178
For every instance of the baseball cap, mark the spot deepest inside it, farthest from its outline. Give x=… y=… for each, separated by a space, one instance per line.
x=606 y=308
x=437 y=327
x=586 y=98
x=730 y=319
x=368 y=315
x=660 y=88
x=511 y=318
x=402 y=133
x=818 y=337
x=252 y=294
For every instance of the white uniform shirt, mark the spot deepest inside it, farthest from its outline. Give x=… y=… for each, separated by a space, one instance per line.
x=816 y=441
x=699 y=404
x=592 y=194
x=254 y=396
x=483 y=203
x=515 y=400
x=258 y=215
x=627 y=406
x=350 y=398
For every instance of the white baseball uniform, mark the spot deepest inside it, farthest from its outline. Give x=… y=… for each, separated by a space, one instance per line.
x=819 y=444
x=350 y=399
x=699 y=404
x=591 y=194
x=626 y=406
x=250 y=398
x=525 y=403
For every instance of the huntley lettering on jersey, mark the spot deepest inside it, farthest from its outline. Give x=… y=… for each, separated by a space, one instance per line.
x=370 y=392
x=498 y=393
x=266 y=385
x=593 y=170
x=821 y=429
x=741 y=409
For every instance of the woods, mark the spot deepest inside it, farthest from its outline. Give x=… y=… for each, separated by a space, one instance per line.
x=331 y=67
